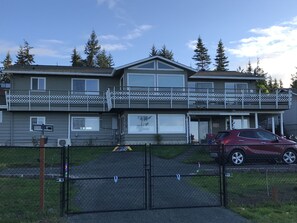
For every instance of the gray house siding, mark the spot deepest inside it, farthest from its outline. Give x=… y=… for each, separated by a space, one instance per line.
x=22 y=135
x=5 y=127
x=107 y=134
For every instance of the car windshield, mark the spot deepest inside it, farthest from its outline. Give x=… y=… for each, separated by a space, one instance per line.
x=222 y=135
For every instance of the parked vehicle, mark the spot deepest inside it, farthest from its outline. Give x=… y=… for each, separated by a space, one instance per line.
x=241 y=145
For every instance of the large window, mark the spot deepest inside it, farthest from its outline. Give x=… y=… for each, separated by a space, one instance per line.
x=85 y=86
x=141 y=80
x=171 y=123
x=236 y=87
x=201 y=87
x=85 y=123
x=169 y=81
x=156 y=80
x=141 y=123
x=38 y=83
x=36 y=120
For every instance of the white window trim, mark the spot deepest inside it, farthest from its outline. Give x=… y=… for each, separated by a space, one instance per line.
x=86 y=91
x=38 y=117
x=84 y=130
x=31 y=87
x=134 y=132
x=138 y=67
x=172 y=130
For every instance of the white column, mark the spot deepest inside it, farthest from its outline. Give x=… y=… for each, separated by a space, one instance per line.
x=282 y=124
x=230 y=122
x=273 y=124
x=256 y=120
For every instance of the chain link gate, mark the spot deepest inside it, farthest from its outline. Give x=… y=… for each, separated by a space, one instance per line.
x=145 y=177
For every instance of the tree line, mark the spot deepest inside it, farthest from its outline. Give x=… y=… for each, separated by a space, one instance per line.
x=97 y=57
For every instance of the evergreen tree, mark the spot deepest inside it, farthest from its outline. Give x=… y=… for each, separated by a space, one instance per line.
x=91 y=49
x=281 y=85
x=270 y=84
x=104 y=60
x=221 y=60
x=24 y=57
x=164 y=52
x=261 y=84
x=275 y=84
x=249 y=68
x=240 y=69
x=294 y=81
x=201 y=56
x=76 y=60
x=154 y=51
x=7 y=61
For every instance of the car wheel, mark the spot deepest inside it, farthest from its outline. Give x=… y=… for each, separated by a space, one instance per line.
x=290 y=157
x=237 y=157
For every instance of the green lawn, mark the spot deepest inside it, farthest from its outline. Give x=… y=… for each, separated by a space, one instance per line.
x=20 y=200
x=260 y=197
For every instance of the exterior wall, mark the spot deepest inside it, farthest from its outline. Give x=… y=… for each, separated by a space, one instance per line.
x=162 y=138
x=5 y=128
x=107 y=134
x=290 y=118
x=62 y=83
x=21 y=134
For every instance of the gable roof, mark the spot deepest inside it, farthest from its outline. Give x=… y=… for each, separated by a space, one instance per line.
x=120 y=69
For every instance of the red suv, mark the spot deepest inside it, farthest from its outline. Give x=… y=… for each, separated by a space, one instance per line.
x=243 y=144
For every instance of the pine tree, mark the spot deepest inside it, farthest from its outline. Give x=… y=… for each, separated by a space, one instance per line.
x=24 y=57
x=201 y=56
x=154 y=51
x=275 y=84
x=261 y=84
x=91 y=49
x=281 y=84
x=221 y=60
x=7 y=61
x=249 y=68
x=164 y=52
x=294 y=80
x=76 y=60
x=104 y=60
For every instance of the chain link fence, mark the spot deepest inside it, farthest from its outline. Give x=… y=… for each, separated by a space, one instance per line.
x=110 y=178
x=20 y=184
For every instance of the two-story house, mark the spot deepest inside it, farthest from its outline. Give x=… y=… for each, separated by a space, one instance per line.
x=154 y=100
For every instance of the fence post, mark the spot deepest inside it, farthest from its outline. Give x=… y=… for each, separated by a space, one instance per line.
x=224 y=183
x=62 y=176
x=41 y=172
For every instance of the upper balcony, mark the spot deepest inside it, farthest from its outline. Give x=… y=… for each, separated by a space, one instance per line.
x=189 y=98
x=55 y=101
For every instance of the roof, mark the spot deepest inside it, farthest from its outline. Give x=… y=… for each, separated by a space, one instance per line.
x=120 y=69
x=58 y=70
x=233 y=75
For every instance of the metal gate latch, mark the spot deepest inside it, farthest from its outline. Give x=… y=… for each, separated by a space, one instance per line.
x=178 y=176
x=115 y=179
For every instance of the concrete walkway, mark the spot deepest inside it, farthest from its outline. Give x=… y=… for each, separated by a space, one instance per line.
x=184 y=215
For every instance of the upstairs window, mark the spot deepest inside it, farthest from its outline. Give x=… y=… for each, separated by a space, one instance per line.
x=85 y=86
x=201 y=87
x=38 y=83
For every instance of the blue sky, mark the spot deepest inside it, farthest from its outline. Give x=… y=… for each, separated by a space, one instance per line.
x=264 y=29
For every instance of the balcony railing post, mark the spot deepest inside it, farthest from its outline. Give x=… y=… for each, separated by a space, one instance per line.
x=207 y=99
x=260 y=98
x=29 y=100
x=148 y=97
x=171 y=94
x=129 y=97
x=242 y=98
x=276 y=99
x=49 y=100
